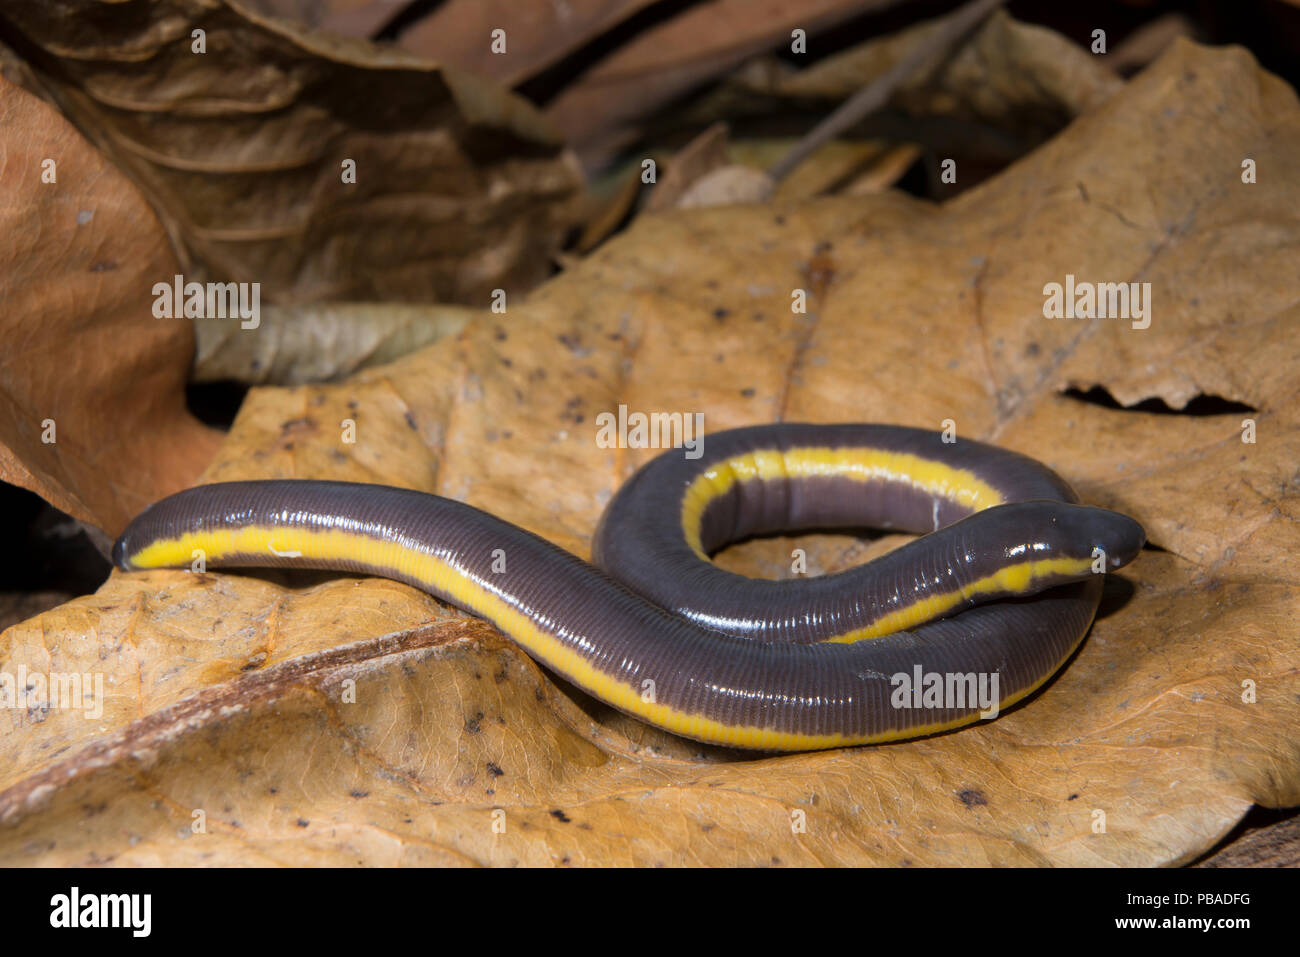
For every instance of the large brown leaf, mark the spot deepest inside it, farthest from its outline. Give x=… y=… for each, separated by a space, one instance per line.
x=303 y=734
x=92 y=402
x=460 y=187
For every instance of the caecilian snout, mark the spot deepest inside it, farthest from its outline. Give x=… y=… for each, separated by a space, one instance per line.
x=1120 y=537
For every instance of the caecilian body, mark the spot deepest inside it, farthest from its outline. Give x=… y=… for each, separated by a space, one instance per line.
x=1003 y=583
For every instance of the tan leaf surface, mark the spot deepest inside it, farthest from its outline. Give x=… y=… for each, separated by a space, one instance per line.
x=304 y=735
x=81 y=347
x=461 y=187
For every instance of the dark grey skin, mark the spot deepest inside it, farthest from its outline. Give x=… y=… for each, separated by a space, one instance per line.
x=640 y=533
x=769 y=679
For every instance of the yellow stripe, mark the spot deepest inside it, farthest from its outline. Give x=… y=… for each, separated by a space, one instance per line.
x=959 y=486
x=1012 y=579
x=335 y=545
x=391 y=558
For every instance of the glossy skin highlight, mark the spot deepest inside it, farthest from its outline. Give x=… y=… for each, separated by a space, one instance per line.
x=661 y=633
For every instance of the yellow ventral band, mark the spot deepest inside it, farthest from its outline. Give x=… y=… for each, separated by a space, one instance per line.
x=1010 y=578
x=390 y=558
x=858 y=464
x=935 y=478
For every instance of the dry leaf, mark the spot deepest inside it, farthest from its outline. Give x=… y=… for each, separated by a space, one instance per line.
x=300 y=734
x=857 y=167
x=701 y=156
x=349 y=18
x=1149 y=41
x=727 y=186
x=601 y=112
x=460 y=188
x=319 y=343
x=1003 y=90
x=884 y=171
x=606 y=207
x=1005 y=69
x=537 y=35
x=1277 y=845
x=92 y=409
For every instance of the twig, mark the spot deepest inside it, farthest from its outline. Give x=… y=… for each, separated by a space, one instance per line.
x=874 y=95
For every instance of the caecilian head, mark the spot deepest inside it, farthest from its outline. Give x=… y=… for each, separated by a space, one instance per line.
x=1094 y=538
x=1102 y=532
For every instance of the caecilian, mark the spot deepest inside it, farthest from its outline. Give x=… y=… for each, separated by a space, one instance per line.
x=1003 y=581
